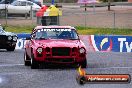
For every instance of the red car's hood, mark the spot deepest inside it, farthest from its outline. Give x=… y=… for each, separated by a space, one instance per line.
x=58 y=43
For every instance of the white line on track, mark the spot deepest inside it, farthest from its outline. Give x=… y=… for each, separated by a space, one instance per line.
x=112 y=68
x=119 y=67
x=4 y=65
x=0 y=80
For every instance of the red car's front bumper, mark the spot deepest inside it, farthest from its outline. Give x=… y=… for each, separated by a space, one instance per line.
x=64 y=57
x=60 y=59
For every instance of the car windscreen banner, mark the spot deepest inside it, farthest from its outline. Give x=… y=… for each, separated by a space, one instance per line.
x=111 y=43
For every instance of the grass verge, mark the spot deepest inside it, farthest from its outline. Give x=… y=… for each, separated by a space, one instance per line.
x=81 y=30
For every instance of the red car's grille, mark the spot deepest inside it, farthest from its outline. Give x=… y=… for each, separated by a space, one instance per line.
x=65 y=60
x=63 y=51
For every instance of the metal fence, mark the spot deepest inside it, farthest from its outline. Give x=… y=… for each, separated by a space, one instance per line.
x=61 y=1
x=110 y=19
x=80 y=17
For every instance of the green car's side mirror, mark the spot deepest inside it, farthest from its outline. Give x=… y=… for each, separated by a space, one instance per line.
x=3 y=28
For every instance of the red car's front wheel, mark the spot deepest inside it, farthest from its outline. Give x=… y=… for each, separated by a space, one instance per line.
x=83 y=64
x=34 y=63
x=27 y=60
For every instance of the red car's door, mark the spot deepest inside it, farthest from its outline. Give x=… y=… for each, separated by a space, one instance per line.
x=30 y=45
x=30 y=48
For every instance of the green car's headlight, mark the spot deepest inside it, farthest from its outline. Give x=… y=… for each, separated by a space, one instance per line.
x=9 y=38
x=14 y=38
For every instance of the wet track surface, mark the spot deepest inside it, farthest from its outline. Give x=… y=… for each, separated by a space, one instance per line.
x=13 y=73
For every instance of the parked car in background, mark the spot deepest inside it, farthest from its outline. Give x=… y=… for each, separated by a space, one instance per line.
x=20 y=7
x=11 y=1
x=8 y=40
x=54 y=44
x=36 y=1
x=6 y=1
x=0 y=1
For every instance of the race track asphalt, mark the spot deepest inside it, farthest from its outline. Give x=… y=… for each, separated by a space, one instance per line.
x=13 y=73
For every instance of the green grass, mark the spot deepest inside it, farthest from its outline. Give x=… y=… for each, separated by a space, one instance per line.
x=103 y=31
x=81 y=30
x=19 y=29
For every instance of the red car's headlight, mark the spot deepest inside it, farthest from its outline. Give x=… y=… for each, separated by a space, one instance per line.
x=40 y=50
x=82 y=50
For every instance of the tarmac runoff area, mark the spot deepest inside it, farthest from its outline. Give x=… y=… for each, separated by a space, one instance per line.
x=13 y=73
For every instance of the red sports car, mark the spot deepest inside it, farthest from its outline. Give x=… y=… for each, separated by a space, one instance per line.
x=54 y=44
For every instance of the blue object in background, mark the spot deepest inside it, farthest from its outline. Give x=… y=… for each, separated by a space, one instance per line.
x=23 y=35
x=112 y=43
x=21 y=40
x=53 y=1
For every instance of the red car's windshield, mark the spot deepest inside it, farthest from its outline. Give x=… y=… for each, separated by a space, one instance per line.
x=56 y=34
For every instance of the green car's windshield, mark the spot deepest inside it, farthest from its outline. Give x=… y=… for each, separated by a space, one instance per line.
x=1 y=30
x=56 y=34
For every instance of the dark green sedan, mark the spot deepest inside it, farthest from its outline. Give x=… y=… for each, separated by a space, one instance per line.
x=8 y=40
